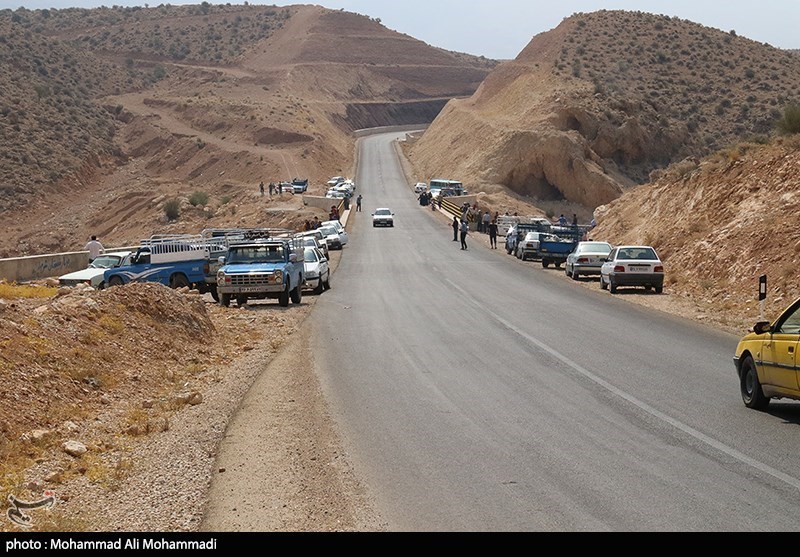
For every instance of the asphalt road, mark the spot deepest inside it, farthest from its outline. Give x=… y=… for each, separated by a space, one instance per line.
x=475 y=393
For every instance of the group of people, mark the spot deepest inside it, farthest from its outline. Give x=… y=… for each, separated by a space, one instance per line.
x=274 y=188
x=462 y=227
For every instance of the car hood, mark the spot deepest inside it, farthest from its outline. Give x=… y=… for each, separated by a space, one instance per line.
x=253 y=268
x=84 y=275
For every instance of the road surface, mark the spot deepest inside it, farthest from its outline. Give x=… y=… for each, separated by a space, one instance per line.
x=475 y=393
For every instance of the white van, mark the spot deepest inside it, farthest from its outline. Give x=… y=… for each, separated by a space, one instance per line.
x=421 y=187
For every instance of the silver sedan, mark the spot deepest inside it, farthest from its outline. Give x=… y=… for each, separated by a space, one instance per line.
x=587 y=259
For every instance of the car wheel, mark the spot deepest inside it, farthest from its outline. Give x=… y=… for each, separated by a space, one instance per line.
x=659 y=289
x=178 y=281
x=752 y=393
x=575 y=276
x=603 y=284
x=225 y=300
x=613 y=287
x=545 y=264
x=283 y=299
x=320 y=287
x=566 y=271
x=214 y=293
x=241 y=301
x=115 y=281
x=327 y=282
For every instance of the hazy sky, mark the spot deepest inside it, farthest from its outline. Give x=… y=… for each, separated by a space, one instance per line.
x=502 y=28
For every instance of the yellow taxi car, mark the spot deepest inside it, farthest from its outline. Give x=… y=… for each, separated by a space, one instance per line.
x=766 y=360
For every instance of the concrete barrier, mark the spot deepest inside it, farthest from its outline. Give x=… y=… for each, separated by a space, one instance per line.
x=22 y=269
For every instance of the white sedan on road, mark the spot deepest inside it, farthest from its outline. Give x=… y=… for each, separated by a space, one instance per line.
x=633 y=266
x=383 y=217
x=93 y=275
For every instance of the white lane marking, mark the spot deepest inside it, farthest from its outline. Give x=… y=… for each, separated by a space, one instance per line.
x=700 y=436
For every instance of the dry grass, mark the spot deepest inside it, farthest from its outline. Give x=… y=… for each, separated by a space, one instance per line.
x=12 y=291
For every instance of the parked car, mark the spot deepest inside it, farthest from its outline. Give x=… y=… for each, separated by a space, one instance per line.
x=766 y=360
x=632 y=266
x=318 y=272
x=587 y=259
x=321 y=242
x=343 y=236
x=300 y=185
x=332 y=237
x=528 y=247
x=335 y=181
x=93 y=275
x=383 y=217
x=335 y=194
x=421 y=187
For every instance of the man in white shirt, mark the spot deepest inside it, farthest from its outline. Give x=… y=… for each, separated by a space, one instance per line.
x=94 y=248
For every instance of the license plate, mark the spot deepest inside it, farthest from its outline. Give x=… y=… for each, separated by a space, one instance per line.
x=250 y=290
x=640 y=268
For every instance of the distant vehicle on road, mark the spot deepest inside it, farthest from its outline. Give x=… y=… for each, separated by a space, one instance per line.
x=421 y=187
x=587 y=259
x=766 y=360
x=383 y=217
x=633 y=266
x=93 y=275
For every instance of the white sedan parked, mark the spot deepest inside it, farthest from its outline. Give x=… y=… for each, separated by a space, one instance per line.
x=336 y=225
x=587 y=259
x=633 y=266
x=317 y=271
x=93 y=275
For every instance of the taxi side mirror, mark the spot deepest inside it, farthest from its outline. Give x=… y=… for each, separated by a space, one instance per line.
x=762 y=328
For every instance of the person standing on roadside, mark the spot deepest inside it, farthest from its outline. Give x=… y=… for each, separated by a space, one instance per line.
x=464 y=233
x=358 y=203
x=487 y=221
x=456 y=227
x=271 y=189
x=94 y=248
x=493 y=234
x=261 y=187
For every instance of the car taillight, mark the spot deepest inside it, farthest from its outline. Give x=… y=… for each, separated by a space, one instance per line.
x=658 y=269
x=583 y=260
x=619 y=269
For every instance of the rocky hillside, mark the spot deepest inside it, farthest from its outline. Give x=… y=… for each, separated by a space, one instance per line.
x=595 y=105
x=210 y=99
x=719 y=224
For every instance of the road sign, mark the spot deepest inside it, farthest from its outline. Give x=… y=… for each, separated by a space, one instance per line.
x=762 y=292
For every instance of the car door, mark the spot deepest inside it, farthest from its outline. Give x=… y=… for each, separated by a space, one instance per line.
x=779 y=351
x=608 y=265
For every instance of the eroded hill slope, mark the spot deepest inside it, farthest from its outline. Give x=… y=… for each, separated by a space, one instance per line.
x=595 y=105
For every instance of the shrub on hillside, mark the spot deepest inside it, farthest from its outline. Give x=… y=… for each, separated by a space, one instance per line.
x=172 y=209
x=790 y=123
x=199 y=198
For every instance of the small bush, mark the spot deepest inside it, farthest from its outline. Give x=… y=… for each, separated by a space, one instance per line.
x=790 y=123
x=172 y=209
x=199 y=198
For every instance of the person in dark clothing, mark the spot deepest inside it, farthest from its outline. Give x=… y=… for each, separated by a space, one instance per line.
x=464 y=232
x=271 y=189
x=493 y=234
x=358 y=203
x=261 y=187
x=574 y=220
x=456 y=227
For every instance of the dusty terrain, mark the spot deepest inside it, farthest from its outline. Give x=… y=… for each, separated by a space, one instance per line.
x=146 y=379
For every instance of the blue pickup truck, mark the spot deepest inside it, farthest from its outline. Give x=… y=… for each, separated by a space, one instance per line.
x=263 y=269
x=174 y=261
